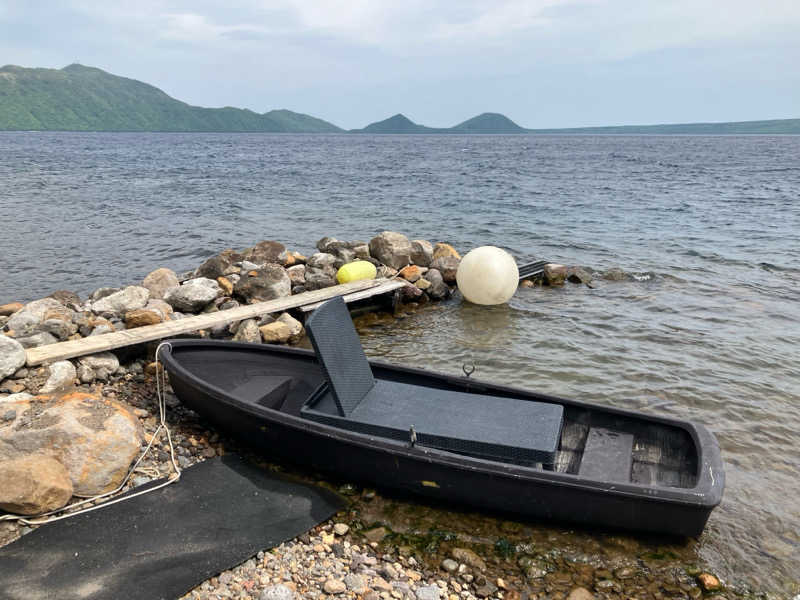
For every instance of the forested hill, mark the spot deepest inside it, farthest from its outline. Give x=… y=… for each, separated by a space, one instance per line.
x=79 y=98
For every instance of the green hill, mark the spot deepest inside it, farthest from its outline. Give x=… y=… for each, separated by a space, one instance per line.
x=78 y=98
x=396 y=124
x=485 y=123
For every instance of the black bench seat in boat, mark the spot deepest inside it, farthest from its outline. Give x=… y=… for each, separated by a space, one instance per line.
x=492 y=427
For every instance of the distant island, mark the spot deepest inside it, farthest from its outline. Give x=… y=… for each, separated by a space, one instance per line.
x=81 y=98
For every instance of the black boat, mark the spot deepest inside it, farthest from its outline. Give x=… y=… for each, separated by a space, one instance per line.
x=452 y=438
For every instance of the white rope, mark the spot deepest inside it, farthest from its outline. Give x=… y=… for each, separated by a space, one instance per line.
x=161 y=382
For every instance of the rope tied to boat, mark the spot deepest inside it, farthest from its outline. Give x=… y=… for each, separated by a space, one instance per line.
x=58 y=514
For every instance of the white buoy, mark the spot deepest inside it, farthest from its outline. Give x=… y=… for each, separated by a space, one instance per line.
x=487 y=275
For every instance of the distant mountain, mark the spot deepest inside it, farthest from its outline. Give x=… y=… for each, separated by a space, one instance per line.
x=78 y=98
x=485 y=123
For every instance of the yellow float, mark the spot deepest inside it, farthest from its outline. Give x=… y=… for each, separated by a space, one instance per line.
x=356 y=271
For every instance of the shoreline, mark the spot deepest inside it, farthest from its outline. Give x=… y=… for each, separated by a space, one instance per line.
x=548 y=568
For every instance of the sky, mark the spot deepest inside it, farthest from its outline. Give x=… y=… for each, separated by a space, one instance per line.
x=543 y=63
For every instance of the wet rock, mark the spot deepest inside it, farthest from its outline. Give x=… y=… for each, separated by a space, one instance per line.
x=267 y=283
x=376 y=534
x=94 y=438
x=295 y=327
x=468 y=557
x=142 y=317
x=442 y=250
x=334 y=586
x=12 y=356
x=391 y=248
x=194 y=295
x=247 y=331
x=6 y=310
x=410 y=293
x=277 y=592
x=127 y=299
x=555 y=274
x=412 y=273
x=264 y=252
x=447 y=266
x=578 y=275
x=25 y=320
x=62 y=376
x=275 y=333
x=526 y=283
x=421 y=253
x=297 y=274
x=708 y=582
x=160 y=281
x=103 y=364
x=438 y=290
x=34 y=484
x=580 y=593
x=38 y=339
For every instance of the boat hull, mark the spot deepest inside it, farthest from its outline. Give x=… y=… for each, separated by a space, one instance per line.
x=471 y=482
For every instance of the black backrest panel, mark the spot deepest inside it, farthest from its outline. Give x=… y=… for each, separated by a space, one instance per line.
x=338 y=348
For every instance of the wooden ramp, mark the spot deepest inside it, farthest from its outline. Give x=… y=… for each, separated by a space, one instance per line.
x=101 y=343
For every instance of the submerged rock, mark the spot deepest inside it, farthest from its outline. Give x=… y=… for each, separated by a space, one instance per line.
x=579 y=275
x=555 y=274
x=34 y=484
x=391 y=248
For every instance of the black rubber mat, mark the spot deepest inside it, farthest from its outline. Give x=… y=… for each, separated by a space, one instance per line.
x=161 y=545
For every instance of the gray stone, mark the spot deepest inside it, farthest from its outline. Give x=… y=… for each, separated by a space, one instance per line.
x=35 y=312
x=118 y=303
x=12 y=356
x=267 y=283
x=62 y=376
x=216 y=266
x=19 y=397
x=264 y=252
x=391 y=248
x=615 y=274
x=316 y=279
x=341 y=528
x=334 y=586
x=421 y=253
x=297 y=274
x=579 y=275
x=85 y=373
x=102 y=292
x=37 y=339
x=468 y=557
x=428 y=592
x=59 y=328
x=103 y=364
x=322 y=245
x=449 y=565
x=160 y=281
x=194 y=295
x=249 y=266
x=361 y=250
x=438 y=289
x=295 y=327
x=247 y=331
x=357 y=584
x=555 y=274
x=277 y=592
x=320 y=260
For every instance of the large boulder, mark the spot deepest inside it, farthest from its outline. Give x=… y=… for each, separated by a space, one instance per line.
x=12 y=356
x=438 y=289
x=555 y=274
x=266 y=283
x=160 y=281
x=59 y=328
x=297 y=274
x=26 y=320
x=441 y=250
x=264 y=252
x=218 y=265
x=33 y=484
x=194 y=295
x=96 y=439
x=421 y=253
x=62 y=376
x=321 y=260
x=41 y=338
x=118 y=303
x=295 y=327
x=6 y=310
x=142 y=317
x=318 y=278
x=69 y=299
x=391 y=248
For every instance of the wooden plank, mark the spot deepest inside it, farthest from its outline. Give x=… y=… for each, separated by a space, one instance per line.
x=388 y=286
x=148 y=333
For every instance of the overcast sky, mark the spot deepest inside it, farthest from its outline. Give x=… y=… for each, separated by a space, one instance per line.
x=544 y=63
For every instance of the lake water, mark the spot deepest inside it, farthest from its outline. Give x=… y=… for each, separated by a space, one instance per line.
x=708 y=329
